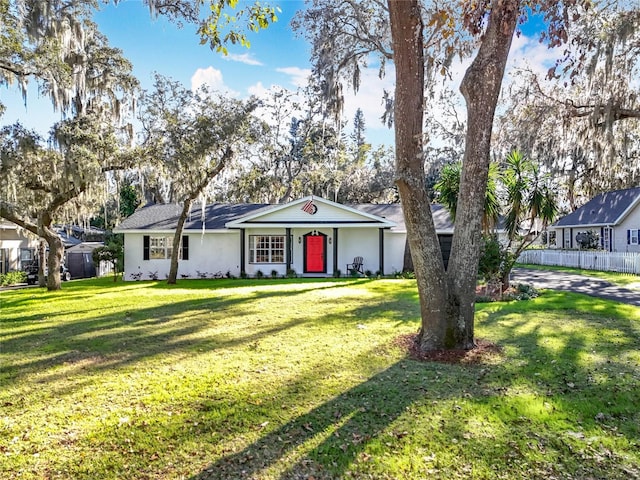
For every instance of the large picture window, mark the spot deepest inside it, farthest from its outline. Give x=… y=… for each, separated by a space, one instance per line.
x=266 y=249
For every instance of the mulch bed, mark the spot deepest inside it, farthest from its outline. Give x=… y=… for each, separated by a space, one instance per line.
x=481 y=354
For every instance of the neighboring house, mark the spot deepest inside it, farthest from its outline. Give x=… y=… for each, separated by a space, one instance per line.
x=311 y=236
x=17 y=247
x=613 y=216
x=79 y=244
x=72 y=235
x=79 y=260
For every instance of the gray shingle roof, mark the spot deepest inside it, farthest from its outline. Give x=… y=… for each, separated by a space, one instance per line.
x=393 y=212
x=604 y=209
x=165 y=217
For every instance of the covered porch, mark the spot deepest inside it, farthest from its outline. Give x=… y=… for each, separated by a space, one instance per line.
x=315 y=237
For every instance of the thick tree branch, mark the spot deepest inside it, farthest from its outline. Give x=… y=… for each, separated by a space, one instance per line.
x=17 y=70
x=8 y=213
x=611 y=112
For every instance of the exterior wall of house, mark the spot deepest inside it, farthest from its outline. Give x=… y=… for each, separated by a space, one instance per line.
x=219 y=251
x=359 y=242
x=209 y=254
x=352 y=242
x=252 y=268
x=566 y=237
x=394 y=245
x=631 y=222
x=15 y=249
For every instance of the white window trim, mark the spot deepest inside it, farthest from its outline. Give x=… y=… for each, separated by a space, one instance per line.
x=276 y=248
x=166 y=248
x=633 y=231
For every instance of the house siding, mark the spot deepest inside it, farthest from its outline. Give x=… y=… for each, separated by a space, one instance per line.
x=631 y=221
x=394 y=245
x=11 y=243
x=216 y=252
x=209 y=254
x=324 y=213
x=266 y=268
x=360 y=242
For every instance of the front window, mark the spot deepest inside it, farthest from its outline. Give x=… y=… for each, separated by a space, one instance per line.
x=266 y=249
x=634 y=237
x=160 y=247
x=606 y=239
x=27 y=256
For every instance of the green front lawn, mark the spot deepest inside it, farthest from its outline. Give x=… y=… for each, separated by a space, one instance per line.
x=300 y=379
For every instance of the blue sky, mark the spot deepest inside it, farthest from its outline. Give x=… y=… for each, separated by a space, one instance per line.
x=277 y=56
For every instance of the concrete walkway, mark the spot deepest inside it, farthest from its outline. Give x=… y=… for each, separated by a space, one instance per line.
x=572 y=282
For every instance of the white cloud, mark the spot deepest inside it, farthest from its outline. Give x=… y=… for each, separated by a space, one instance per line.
x=369 y=99
x=245 y=58
x=528 y=52
x=299 y=76
x=212 y=78
x=258 y=90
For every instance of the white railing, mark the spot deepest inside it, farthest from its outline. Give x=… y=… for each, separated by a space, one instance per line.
x=586 y=259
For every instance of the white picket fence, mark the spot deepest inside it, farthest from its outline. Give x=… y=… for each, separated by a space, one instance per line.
x=586 y=259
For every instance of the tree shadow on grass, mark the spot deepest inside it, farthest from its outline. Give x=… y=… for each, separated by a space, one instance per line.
x=546 y=379
x=127 y=336
x=545 y=361
x=583 y=363
x=324 y=442
x=130 y=335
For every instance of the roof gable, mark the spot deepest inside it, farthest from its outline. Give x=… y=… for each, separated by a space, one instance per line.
x=608 y=208
x=311 y=210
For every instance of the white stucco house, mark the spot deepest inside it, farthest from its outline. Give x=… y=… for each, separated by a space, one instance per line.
x=310 y=236
x=613 y=216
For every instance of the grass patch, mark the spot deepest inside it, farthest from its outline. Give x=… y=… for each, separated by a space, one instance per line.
x=620 y=279
x=304 y=378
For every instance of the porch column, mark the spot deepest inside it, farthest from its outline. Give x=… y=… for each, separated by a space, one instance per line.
x=335 y=250
x=242 y=253
x=381 y=249
x=289 y=244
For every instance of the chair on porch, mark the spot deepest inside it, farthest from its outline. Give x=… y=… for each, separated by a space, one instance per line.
x=356 y=266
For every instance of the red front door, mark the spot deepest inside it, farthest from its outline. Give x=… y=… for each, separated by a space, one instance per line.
x=315 y=258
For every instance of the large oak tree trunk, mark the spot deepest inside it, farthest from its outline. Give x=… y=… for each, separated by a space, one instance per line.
x=56 y=251
x=407 y=31
x=446 y=298
x=481 y=89
x=177 y=239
